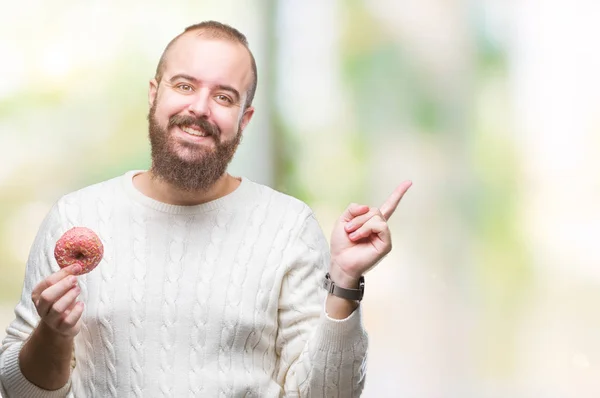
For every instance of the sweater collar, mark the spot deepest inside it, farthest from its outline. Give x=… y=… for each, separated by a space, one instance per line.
x=234 y=199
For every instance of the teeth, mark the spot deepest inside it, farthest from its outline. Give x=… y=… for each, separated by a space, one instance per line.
x=195 y=132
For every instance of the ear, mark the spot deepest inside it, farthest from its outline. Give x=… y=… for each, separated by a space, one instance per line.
x=248 y=113
x=152 y=92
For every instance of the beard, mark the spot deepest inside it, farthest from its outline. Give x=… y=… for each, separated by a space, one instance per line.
x=198 y=173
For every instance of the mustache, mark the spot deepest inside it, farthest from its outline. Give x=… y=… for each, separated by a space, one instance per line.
x=200 y=123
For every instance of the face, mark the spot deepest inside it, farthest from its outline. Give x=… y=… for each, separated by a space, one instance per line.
x=197 y=111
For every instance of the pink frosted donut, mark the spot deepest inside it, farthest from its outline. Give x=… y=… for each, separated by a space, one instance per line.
x=79 y=245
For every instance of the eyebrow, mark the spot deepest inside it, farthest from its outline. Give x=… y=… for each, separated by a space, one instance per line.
x=192 y=79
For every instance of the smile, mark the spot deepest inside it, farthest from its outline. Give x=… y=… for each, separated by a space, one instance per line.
x=193 y=131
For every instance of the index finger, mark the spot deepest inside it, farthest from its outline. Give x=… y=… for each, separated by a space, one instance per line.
x=56 y=277
x=388 y=208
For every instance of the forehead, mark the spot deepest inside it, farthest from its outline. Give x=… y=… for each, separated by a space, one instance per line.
x=211 y=61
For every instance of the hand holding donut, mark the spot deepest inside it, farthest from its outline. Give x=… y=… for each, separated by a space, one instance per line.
x=78 y=251
x=55 y=301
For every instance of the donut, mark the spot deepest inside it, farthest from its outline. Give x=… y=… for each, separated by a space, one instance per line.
x=79 y=245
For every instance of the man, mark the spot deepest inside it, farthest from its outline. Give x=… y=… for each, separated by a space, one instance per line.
x=210 y=285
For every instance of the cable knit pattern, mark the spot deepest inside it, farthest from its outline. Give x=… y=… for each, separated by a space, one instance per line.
x=72 y=214
x=106 y=306
x=222 y=299
x=200 y=311
x=138 y=313
x=234 y=295
x=274 y=261
x=227 y=324
x=176 y=248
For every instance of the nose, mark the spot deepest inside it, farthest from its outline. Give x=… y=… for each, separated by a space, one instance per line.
x=200 y=104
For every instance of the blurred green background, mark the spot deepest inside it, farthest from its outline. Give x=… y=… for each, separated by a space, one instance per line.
x=491 y=107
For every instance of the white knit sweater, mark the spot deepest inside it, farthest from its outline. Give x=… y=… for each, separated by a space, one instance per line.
x=222 y=299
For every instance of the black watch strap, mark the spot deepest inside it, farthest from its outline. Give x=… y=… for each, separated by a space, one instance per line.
x=348 y=294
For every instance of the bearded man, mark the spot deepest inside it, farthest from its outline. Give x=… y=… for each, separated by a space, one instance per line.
x=211 y=285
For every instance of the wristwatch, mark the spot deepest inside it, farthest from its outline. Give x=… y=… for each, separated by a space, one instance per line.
x=348 y=294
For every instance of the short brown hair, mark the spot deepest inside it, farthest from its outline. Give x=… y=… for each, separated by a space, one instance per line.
x=215 y=30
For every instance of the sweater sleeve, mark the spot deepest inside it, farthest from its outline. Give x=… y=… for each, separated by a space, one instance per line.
x=318 y=356
x=40 y=264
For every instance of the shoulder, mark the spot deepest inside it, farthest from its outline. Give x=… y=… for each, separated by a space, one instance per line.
x=94 y=198
x=277 y=201
x=289 y=213
x=97 y=191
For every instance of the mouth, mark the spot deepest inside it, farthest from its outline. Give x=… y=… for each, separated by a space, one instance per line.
x=193 y=131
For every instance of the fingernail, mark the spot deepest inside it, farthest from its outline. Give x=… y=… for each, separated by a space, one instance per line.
x=349 y=225
x=353 y=235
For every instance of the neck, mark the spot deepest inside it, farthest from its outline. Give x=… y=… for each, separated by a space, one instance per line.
x=158 y=189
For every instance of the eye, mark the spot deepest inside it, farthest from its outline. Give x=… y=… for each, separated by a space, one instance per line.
x=185 y=87
x=224 y=98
